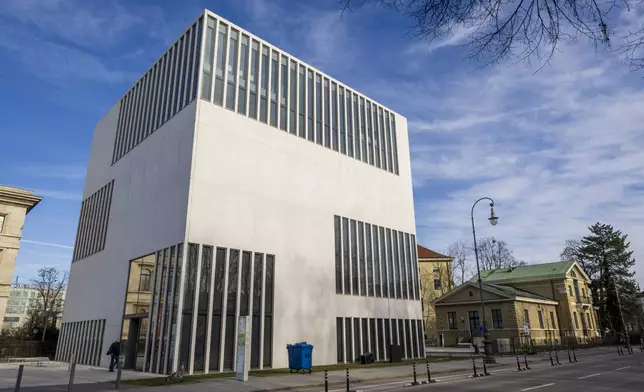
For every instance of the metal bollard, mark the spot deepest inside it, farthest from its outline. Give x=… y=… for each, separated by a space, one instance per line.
x=569 y=357
x=415 y=379
x=71 y=377
x=574 y=355
x=518 y=364
x=525 y=359
x=72 y=358
x=429 y=374
x=475 y=374
x=19 y=378
x=326 y=381
x=348 y=390
x=557 y=357
x=117 y=385
x=485 y=368
x=552 y=363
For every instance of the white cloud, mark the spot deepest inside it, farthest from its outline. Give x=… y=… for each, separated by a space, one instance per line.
x=59 y=195
x=49 y=244
x=54 y=170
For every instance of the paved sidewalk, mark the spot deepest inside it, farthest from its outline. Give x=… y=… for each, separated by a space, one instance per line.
x=286 y=381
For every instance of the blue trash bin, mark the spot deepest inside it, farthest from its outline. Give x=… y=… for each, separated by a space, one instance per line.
x=300 y=356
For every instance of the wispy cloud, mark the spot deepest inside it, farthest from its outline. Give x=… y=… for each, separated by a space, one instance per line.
x=49 y=244
x=54 y=170
x=59 y=195
x=458 y=36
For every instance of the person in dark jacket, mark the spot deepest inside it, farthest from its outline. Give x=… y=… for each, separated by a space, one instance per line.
x=114 y=351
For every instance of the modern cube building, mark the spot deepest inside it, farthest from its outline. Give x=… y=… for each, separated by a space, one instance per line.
x=233 y=179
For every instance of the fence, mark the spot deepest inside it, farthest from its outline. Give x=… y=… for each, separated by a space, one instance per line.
x=524 y=345
x=10 y=348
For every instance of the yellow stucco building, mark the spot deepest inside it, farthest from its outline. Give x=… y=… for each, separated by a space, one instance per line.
x=436 y=280
x=15 y=204
x=547 y=303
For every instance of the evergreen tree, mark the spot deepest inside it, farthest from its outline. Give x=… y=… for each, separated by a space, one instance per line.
x=605 y=257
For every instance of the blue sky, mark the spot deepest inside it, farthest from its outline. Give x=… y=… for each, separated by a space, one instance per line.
x=558 y=149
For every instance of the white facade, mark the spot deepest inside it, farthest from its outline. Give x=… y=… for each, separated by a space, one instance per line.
x=210 y=176
x=22 y=298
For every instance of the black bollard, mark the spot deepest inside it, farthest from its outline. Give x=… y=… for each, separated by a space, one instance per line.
x=117 y=385
x=574 y=355
x=518 y=364
x=19 y=378
x=475 y=374
x=485 y=368
x=415 y=379
x=552 y=363
x=569 y=357
x=525 y=359
x=348 y=390
x=326 y=381
x=557 y=357
x=429 y=374
x=71 y=377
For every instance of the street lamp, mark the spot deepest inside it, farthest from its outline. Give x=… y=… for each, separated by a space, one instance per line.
x=493 y=221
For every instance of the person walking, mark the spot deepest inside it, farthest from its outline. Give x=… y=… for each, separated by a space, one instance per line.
x=114 y=351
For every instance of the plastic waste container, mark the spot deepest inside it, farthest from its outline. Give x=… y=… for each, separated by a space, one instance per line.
x=300 y=357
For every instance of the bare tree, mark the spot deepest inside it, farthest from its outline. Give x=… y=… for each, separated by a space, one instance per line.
x=517 y=29
x=460 y=252
x=496 y=254
x=50 y=284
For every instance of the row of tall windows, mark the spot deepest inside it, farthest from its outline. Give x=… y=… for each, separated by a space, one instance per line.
x=357 y=336
x=92 y=223
x=194 y=329
x=83 y=340
x=168 y=87
x=374 y=261
x=294 y=97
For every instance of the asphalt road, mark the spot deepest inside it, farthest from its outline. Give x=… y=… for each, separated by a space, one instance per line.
x=595 y=374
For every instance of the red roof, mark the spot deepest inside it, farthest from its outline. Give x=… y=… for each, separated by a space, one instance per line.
x=424 y=253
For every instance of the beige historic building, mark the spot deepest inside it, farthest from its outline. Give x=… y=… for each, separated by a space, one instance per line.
x=547 y=303
x=15 y=204
x=436 y=280
x=22 y=299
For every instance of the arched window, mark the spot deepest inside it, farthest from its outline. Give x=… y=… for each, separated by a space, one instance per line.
x=145 y=278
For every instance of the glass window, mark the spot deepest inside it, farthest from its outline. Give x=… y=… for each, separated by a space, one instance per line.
x=343 y=135
x=243 y=66
x=451 y=320
x=233 y=270
x=576 y=320
x=540 y=316
x=354 y=259
x=349 y=120
x=412 y=245
x=301 y=108
x=311 y=104
x=552 y=320
x=244 y=305
x=264 y=83
x=394 y=143
x=376 y=133
x=283 y=92
x=339 y=336
x=376 y=261
x=318 y=109
x=388 y=142
x=397 y=266
x=369 y=254
x=257 y=283
x=437 y=284
x=274 y=92
x=361 y=253
x=254 y=74
x=292 y=105
x=232 y=69
x=327 y=115
x=345 y=256
x=334 y=115
x=348 y=331
x=338 y=254
x=369 y=133
x=222 y=41
x=1 y=222
x=497 y=319
x=390 y=267
x=381 y=128
x=403 y=264
x=363 y=132
x=356 y=127
x=268 y=309
x=526 y=317
x=473 y=317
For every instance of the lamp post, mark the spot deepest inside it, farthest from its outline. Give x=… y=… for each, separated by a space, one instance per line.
x=493 y=221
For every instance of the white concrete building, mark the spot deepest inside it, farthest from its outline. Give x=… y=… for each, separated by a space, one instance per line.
x=234 y=179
